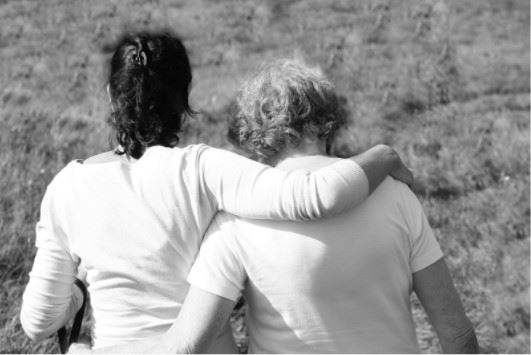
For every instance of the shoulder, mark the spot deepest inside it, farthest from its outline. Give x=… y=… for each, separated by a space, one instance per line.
x=405 y=194
x=54 y=200
x=389 y=189
x=63 y=178
x=156 y=159
x=396 y=198
x=208 y=153
x=223 y=223
x=103 y=158
x=181 y=162
x=223 y=231
x=395 y=189
x=192 y=151
x=409 y=207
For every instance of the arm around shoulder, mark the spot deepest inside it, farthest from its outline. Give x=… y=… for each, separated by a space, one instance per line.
x=249 y=189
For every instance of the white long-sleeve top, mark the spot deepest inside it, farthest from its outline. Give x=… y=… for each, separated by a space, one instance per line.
x=136 y=227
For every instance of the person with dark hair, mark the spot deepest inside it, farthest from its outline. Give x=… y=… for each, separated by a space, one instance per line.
x=340 y=285
x=149 y=83
x=134 y=218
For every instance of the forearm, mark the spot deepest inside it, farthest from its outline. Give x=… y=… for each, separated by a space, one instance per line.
x=435 y=290
x=50 y=298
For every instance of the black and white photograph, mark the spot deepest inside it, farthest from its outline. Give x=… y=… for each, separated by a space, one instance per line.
x=264 y=176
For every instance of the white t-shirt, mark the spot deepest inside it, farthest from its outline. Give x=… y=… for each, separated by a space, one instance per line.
x=136 y=227
x=339 y=285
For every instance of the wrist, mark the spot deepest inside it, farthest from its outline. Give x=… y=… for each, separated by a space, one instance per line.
x=390 y=156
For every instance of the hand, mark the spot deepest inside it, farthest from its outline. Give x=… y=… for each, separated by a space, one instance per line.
x=402 y=173
x=381 y=161
x=79 y=348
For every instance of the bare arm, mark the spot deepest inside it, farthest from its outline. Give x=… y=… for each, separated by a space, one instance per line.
x=435 y=290
x=380 y=161
x=201 y=318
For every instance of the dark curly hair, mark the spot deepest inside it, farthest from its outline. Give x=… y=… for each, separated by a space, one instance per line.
x=149 y=81
x=285 y=102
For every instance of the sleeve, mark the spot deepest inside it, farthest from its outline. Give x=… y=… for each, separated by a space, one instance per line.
x=249 y=189
x=425 y=249
x=217 y=268
x=50 y=298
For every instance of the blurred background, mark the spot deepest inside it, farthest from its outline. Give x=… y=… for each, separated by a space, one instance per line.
x=446 y=83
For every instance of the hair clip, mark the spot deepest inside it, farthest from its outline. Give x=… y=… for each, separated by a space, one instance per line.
x=140 y=58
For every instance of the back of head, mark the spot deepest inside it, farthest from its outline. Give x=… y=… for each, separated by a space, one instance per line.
x=286 y=102
x=149 y=81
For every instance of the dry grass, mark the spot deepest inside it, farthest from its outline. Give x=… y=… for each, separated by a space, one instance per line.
x=446 y=83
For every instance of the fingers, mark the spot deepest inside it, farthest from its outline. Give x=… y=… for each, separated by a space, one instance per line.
x=410 y=178
x=403 y=174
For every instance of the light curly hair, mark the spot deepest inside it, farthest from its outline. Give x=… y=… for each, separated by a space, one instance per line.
x=286 y=101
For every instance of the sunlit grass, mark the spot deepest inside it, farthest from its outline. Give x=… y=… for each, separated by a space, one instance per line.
x=449 y=90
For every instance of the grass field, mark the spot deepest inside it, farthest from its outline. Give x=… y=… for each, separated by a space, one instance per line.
x=444 y=82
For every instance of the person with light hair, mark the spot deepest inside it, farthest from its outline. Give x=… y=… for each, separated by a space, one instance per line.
x=339 y=285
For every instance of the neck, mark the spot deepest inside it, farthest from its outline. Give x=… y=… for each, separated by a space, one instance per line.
x=305 y=148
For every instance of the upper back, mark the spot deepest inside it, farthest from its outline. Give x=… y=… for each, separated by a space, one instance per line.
x=355 y=239
x=366 y=248
x=339 y=284
x=135 y=226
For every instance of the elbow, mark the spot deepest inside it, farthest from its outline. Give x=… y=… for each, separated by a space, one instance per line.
x=36 y=330
x=33 y=331
x=327 y=206
x=35 y=336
